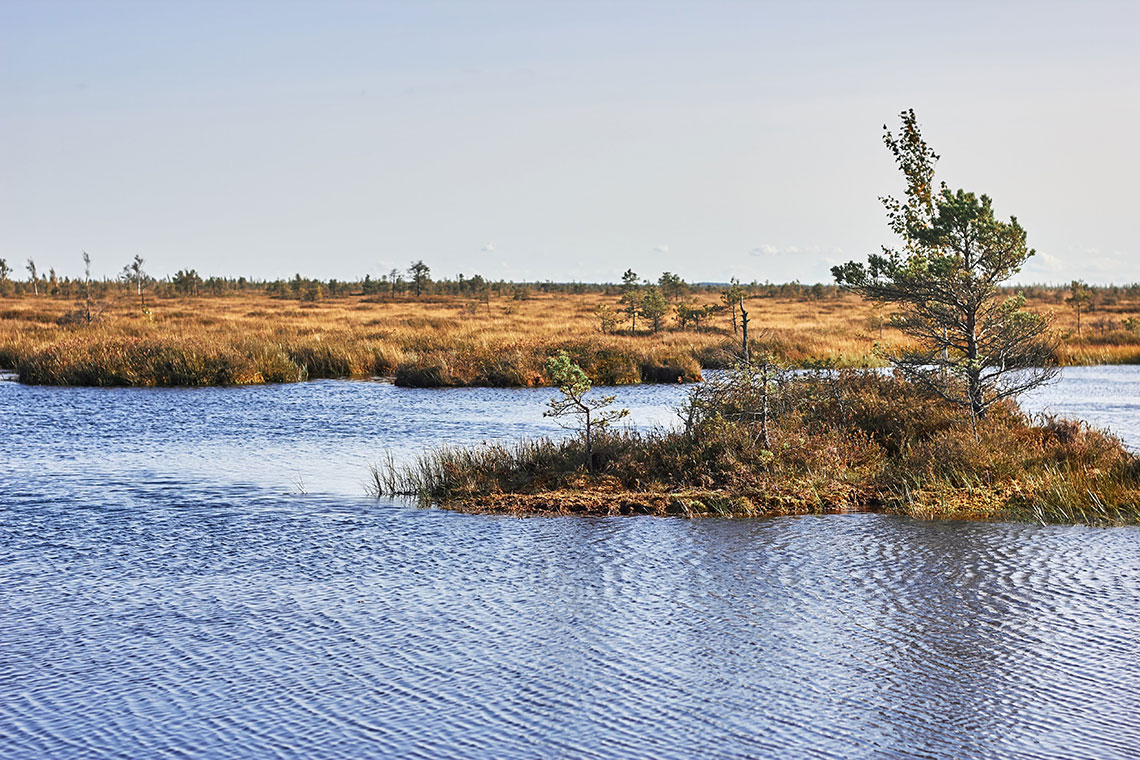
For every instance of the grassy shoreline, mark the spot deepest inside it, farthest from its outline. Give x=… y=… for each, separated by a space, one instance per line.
x=838 y=443
x=445 y=341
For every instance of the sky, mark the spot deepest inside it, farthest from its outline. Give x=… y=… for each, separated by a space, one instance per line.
x=564 y=141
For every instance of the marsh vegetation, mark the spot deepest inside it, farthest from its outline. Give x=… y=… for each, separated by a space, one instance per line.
x=755 y=442
x=245 y=336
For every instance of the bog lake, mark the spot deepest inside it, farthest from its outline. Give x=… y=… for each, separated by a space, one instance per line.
x=200 y=573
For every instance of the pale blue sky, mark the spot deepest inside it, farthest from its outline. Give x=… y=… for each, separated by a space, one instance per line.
x=554 y=140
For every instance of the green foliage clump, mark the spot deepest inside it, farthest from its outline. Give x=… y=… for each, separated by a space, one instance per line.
x=653 y=308
x=974 y=344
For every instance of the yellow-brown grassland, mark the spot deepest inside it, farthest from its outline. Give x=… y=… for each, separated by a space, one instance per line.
x=453 y=340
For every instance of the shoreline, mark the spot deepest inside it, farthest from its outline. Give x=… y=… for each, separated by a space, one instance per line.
x=963 y=505
x=656 y=375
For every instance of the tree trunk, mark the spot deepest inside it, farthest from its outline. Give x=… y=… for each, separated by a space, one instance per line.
x=764 y=409
x=973 y=371
x=589 y=443
x=744 y=330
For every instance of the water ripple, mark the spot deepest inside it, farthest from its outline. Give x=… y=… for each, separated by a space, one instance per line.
x=425 y=634
x=168 y=593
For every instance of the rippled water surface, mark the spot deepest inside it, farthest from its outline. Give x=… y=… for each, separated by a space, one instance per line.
x=166 y=589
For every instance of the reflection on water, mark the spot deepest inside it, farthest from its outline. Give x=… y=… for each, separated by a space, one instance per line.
x=163 y=595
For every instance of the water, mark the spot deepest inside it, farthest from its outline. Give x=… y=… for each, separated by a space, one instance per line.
x=1105 y=396
x=166 y=589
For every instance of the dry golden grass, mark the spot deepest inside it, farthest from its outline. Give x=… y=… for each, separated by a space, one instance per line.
x=252 y=337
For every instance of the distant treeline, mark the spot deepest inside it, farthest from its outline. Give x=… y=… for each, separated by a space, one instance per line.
x=417 y=282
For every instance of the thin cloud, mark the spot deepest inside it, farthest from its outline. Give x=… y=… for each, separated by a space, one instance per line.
x=765 y=250
x=795 y=250
x=1103 y=263
x=1045 y=263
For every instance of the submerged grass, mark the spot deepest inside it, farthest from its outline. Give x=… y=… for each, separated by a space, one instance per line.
x=837 y=443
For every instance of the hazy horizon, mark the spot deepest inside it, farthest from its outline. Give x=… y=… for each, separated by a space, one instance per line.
x=554 y=141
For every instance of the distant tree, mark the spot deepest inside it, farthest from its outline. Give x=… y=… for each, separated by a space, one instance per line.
x=687 y=315
x=672 y=286
x=731 y=297
x=629 y=297
x=574 y=384
x=133 y=274
x=654 y=307
x=313 y=292
x=975 y=347
x=1081 y=298
x=187 y=282
x=878 y=320
x=34 y=277
x=420 y=273
x=368 y=286
x=88 y=303
x=481 y=288
x=607 y=317
x=396 y=281
x=216 y=286
x=4 y=270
